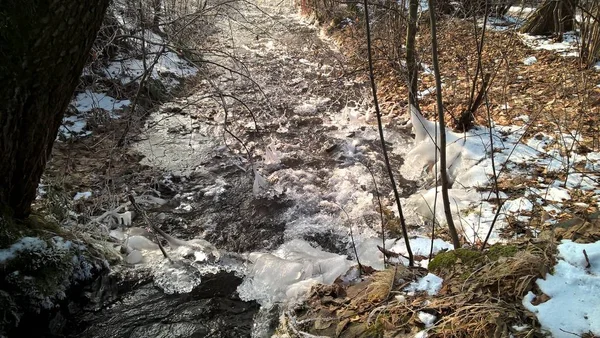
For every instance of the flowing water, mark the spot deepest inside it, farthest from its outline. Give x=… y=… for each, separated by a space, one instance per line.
x=315 y=143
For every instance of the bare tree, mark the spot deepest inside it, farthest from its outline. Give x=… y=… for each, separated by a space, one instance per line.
x=552 y=17
x=411 y=60
x=442 y=145
x=590 y=33
x=43 y=48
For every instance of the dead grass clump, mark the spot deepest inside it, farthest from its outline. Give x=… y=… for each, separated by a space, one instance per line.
x=512 y=277
x=489 y=319
x=481 y=297
x=487 y=302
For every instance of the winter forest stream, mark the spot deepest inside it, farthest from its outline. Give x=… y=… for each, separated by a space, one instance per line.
x=275 y=160
x=220 y=173
x=316 y=136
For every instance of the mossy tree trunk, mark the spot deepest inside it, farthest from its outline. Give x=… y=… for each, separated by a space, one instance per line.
x=43 y=48
x=552 y=17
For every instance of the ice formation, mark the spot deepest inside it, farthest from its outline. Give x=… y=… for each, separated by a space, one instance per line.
x=290 y=271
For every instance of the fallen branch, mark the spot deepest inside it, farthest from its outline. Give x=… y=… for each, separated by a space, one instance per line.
x=151 y=225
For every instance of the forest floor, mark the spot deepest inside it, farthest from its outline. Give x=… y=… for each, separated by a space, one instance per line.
x=271 y=150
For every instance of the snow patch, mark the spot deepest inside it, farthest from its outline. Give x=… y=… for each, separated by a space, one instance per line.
x=430 y=283
x=573 y=289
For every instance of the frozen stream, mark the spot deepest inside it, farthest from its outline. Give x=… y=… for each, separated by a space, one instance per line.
x=288 y=210
x=281 y=208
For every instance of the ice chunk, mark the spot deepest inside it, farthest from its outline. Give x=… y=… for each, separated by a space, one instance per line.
x=140 y=243
x=272 y=156
x=124 y=218
x=423 y=202
x=134 y=257
x=287 y=271
x=369 y=254
x=117 y=234
x=423 y=128
x=260 y=183
x=177 y=277
x=430 y=283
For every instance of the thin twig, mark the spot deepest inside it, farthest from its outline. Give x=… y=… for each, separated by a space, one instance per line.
x=155 y=229
x=382 y=138
x=360 y=268
x=587 y=259
x=380 y=209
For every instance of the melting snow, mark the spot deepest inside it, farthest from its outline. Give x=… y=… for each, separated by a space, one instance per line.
x=574 y=292
x=567 y=47
x=430 y=283
x=82 y=195
x=530 y=60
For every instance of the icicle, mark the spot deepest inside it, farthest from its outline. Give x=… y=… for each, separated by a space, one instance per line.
x=272 y=156
x=259 y=183
x=424 y=129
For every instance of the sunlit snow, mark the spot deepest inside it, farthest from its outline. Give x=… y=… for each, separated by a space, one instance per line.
x=573 y=288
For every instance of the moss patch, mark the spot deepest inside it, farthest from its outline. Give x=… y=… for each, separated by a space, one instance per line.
x=497 y=251
x=446 y=260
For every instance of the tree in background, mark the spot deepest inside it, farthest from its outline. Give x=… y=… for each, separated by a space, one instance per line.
x=590 y=33
x=552 y=17
x=411 y=60
x=43 y=48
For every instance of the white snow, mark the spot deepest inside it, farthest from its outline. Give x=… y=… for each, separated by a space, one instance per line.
x=82 y=195
x=88 y=100
x=471 y=174
x=421 y=334
x=528 y=61
x=567 y=47
x=426 y=318
x=430 y=283
x=517 y=205
x=554 y=194
x=574 y=290
x=23 y=245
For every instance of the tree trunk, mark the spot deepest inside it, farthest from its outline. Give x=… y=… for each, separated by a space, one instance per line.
x=411 y=60
x=442 y=145
x=552 y=17
x=43 y=48
x=590 y=34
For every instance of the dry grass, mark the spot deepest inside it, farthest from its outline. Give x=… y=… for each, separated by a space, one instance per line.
x=481 y=297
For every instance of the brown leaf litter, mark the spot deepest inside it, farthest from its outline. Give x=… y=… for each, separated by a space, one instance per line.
x=480 y=297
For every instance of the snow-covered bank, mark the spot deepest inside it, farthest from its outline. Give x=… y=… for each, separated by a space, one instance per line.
x=474 y=204
x=147 y=52
x=574 y=291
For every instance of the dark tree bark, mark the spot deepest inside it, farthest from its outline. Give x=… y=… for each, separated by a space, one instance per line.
x=552 y=17
x=411 y=60
x=43 y=47
x=590 y=34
